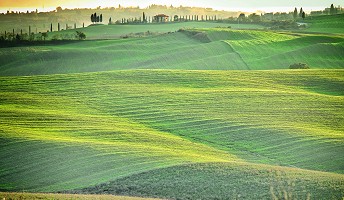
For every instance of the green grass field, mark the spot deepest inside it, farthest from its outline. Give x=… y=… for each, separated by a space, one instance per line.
x=204 y=113
x=277 y=50
x=34 y=196
x=115 y=31
x=326 y=24
x=64 y=132
x=195 y=49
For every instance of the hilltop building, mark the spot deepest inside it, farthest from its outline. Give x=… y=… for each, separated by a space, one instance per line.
x=160 y=18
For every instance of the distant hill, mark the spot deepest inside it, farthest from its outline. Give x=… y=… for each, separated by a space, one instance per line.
x=195 y=49
x=42 y=20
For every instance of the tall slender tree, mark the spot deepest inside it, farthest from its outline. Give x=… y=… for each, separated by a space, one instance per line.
x=92 y=18
x=51 y=27
x=332 y=10
x=295 y=13
x=301 y=11
x=101 y=18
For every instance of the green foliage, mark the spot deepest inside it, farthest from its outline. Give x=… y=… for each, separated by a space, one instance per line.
x=282 y=25
x=303 y=15
x=44 y=35
x=332 y=10
x=299 y=66
x=80 y=35
x=295 y=13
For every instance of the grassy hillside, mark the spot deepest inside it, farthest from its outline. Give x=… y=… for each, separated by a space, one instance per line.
x=274 y=50
x=171 y=51
x=34 y=196
x=72 y=131
x=226 y=181
x=116 y=31
x=326 y=24
x=196 y=49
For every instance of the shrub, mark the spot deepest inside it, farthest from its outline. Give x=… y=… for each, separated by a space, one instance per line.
x=80 y=35
x=299 y=66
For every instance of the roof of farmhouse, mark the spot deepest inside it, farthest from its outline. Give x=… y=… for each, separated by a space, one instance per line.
x=161 y=15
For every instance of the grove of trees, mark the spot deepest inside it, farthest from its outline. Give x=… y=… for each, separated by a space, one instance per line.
x=96 y=18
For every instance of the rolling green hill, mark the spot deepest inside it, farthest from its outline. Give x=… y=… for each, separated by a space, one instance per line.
x=193 y=49
x=326 y=24
x=171 y=51
x=205 y=134
x=274 y=50
x=116 y=31
x=226 y=181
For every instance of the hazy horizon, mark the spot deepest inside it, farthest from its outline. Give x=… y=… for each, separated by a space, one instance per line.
x=245 y=6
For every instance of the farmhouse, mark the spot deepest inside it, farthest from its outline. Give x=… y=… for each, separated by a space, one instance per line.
x=160 y=18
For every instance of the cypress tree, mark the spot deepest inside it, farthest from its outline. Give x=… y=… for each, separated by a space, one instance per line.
x=295 y=13
x=332 y=10
x=301 y=11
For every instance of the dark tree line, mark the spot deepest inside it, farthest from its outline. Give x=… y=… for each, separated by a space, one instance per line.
x=96 y=18
x=300 y=14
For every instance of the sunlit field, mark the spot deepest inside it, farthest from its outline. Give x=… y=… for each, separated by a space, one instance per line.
x=203 y=111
